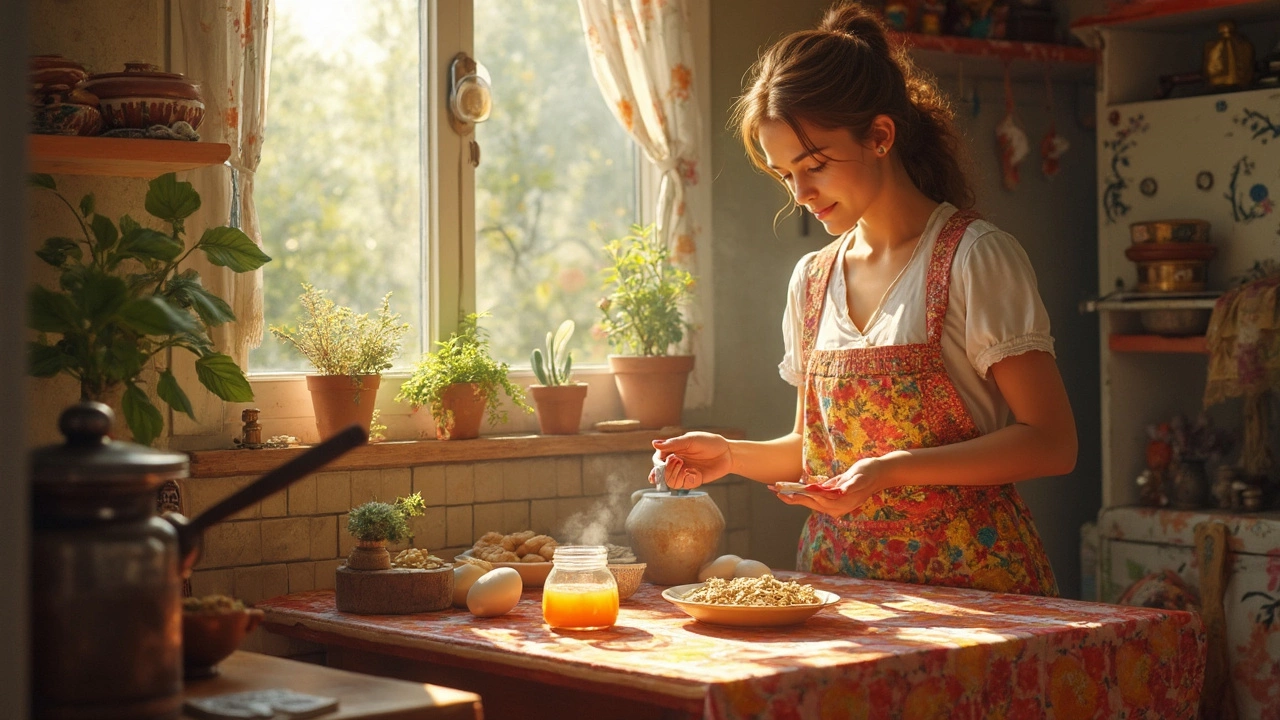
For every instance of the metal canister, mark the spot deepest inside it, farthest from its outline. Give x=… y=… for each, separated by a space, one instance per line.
x=105 y=580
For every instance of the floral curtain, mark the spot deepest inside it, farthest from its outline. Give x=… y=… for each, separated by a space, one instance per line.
x=225 y=47
x=642 y=58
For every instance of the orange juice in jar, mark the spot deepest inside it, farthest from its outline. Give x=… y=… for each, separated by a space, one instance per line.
x=580 y=593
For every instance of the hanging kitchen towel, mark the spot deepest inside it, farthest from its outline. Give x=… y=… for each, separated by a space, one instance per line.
x=1011 y=138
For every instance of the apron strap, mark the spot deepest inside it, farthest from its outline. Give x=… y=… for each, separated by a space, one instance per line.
x=938 y=279
x=817 y=275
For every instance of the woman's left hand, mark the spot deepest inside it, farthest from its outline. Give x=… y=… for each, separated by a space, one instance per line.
x=853 y=487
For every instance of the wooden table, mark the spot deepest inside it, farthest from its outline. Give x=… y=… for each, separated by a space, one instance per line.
x=886 y=650
x=360 y=697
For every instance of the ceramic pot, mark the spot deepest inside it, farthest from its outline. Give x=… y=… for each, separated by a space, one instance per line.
x=652 y=387
x=209 y=637
x=369 y=555
x=142 y=96
x=559 y=407
x=54 y=70
x=1171 y=267
x=464 y=406
x=342 y=400
x=56 y=114
x=674 y=535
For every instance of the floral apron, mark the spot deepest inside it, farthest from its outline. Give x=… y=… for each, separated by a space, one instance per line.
x=865 y=402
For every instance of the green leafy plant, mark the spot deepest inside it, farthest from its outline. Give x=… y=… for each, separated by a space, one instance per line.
x=463 y=358
x=122 y=302
x=374 y=521
x=338 y=341
x=554 y=370
x=642 y=314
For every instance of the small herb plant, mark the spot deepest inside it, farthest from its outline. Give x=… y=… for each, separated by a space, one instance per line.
x=338 y=341
x=377 y=521
x=463 y=358
x=122 y=302
x=642 y=313
x=554 y=370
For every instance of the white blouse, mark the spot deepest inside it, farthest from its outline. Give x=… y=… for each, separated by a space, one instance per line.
x=994 y=312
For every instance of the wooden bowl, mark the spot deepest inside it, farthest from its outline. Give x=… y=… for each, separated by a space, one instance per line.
x=209 y=637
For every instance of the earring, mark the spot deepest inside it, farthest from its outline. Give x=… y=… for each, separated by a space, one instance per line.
x=881 y=150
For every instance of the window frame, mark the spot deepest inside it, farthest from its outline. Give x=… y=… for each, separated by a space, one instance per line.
x=448 y=257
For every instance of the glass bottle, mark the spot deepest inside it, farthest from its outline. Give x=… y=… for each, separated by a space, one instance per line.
x=580 y=592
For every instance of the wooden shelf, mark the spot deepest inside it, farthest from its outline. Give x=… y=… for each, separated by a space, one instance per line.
x=120 y=157
x=1168 y=13
x=1157 y=344
x=1002 y=49
x=947 y=54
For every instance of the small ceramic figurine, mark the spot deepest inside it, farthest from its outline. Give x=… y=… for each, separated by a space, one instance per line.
x=1228 y=58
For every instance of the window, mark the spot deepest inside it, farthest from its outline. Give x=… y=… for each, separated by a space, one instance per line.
x=341 y=193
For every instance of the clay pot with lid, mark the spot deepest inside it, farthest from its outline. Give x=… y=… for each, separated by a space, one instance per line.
x=143 y=96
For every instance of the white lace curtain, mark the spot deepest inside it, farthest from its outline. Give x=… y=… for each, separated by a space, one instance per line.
x=225 y=46
x=642 y=58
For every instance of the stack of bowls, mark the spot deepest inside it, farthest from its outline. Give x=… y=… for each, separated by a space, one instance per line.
x=1172 y=257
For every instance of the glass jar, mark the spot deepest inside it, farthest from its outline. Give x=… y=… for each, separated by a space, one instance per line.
x=580 y=592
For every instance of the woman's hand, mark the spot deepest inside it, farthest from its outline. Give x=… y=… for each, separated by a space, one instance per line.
x=850 y=489
x=692 y=459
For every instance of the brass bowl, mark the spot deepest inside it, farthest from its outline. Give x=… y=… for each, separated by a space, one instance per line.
x=208 y=637
x=1171 y=267
x=1169 y=231
x=628 y=577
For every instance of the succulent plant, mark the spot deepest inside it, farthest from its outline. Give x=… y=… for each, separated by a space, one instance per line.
x=559 y=361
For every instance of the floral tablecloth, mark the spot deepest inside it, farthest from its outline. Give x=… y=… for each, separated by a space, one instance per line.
x=887 y=650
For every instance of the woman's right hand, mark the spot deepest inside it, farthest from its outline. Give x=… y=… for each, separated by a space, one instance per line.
x=692 y=459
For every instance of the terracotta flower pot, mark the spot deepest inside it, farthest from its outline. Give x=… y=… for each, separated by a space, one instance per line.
x=464 y=406
x=559 y=407
x=369 y=555
x=342 y=400
x=652 y=387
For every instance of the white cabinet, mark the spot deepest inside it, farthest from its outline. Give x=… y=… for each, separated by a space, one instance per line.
x=1212 y=157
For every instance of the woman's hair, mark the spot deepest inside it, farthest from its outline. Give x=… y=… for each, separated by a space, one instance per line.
x=844 y=74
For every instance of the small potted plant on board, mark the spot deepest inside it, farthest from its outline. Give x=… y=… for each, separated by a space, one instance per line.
x=642 y=321
x=121 y=303
x=374 y=524
x=349 y=351
x=460 y=383
x=557 y=400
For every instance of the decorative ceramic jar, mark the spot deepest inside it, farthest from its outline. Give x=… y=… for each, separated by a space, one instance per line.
x=1171 y=267
x=675 y=533
x=1190 y=484
x=58 y=110
x=142 y=96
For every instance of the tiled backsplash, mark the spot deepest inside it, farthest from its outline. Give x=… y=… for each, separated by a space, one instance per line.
x=296 y=539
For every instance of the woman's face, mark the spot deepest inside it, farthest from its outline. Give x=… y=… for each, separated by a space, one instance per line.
x=837 y=181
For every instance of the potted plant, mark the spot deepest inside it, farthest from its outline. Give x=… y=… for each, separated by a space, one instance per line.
x=374 y=524
x=642 y=321
x=349 y=351
x=558 y=402
x=460 y=383
x=122 y=303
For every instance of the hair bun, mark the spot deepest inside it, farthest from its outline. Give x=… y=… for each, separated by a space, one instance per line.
x=856 y=20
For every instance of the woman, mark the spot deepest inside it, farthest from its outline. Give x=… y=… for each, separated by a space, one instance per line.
x=910 y=338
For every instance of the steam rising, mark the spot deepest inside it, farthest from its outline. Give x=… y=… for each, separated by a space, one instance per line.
x=591 y=526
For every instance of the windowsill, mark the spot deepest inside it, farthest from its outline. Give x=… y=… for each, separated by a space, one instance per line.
x=393 y=454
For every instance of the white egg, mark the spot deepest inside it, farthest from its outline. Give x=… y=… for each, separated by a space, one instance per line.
x=495 y=592
x=464 y=576
x=721 y=567
x=751 y=569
